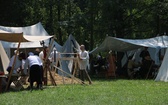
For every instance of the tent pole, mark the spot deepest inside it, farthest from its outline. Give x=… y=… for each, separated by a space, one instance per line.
x=46 y=65
x=10 y=74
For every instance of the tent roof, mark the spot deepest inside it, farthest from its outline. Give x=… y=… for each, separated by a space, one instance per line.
x=163 y=70
x=19 y=37
x=119 y=44
x=36 y=30
x=33 y=30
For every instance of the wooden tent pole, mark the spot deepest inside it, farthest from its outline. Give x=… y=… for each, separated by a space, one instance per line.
x=10 y=74
x=46 y=65
x=149 y=70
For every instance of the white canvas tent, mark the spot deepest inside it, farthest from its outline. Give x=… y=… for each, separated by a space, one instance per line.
x=130 y=46
x=122 y=45
x=19 y=37
x=70 y=46
x=33 y=30
x=4 y=60
x=163 y=70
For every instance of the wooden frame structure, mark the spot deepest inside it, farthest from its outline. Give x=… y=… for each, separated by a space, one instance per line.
x=18 y=37
x=46 y=66
x=76 y=65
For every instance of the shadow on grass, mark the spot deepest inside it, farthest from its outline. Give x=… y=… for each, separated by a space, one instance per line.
x=13 y=89
x=95 y=78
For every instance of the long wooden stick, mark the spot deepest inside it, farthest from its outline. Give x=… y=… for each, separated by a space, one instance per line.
x=52 y=78
x=149 y=70
x=11 y=71
x=90 y=82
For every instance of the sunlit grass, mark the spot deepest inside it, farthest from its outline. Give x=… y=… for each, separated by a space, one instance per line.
x=101 y=92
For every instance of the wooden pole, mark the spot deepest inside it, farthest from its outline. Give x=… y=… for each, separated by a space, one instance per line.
x=46 y=65
x=10 y=74
x=90 y=82
x=149 y=70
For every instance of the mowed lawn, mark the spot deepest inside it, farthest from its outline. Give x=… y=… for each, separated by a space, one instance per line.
x=101 y=92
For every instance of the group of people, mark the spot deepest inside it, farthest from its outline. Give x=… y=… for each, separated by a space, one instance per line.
x=100 y=64
x=142 y=69
x=29 y=64
x=145 y=68
x=32 y=64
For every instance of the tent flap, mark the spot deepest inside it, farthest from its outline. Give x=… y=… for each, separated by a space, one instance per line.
x=12 y=37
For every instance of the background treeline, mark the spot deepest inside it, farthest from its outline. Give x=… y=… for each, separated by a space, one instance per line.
x=90 y=21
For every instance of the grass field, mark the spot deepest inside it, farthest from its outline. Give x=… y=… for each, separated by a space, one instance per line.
x=101 y=92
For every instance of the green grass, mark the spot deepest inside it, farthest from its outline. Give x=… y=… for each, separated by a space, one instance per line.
x=101 y=92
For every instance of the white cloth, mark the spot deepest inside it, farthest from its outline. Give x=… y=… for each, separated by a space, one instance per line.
x=17 y=65
x=54 y=55
x=84 y=60
x=32 y=60
x=41 y=55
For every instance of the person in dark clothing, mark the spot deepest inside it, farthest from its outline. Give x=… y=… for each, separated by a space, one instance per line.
x=144 y=53
x=34 y=63
x=146 y=67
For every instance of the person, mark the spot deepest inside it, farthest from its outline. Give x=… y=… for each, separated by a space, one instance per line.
x=45 y=61
x=17 y=66
x=146 y=67
x=36 y=53
x=18 y=63
x=83 y=62
x=34 y=63
x=112 y=64
x=54 y=55
x=144 y=53
x=131 y=67
x=43 y=53
x=98 y=63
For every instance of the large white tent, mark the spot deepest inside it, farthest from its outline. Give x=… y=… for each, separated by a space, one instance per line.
x=70 y=46
x=16 y=37
x=163 y=70
x=33 y=30
x=4 y=60
x=122 y=45
x=133 y=46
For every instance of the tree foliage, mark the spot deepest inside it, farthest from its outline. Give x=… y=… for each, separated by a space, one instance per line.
x=90 y=21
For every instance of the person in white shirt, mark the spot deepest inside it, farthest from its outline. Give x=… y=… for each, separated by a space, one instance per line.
x=43 y=53
x=34 y=63
x=83 y=62
x=54 y=55
x=17 y=65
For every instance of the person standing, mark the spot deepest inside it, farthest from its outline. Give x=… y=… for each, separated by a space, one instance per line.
x=34 y=63
x=46 y=62
x=83 y=63
x=112 y=64
x=54 y=56
x=43 y=53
